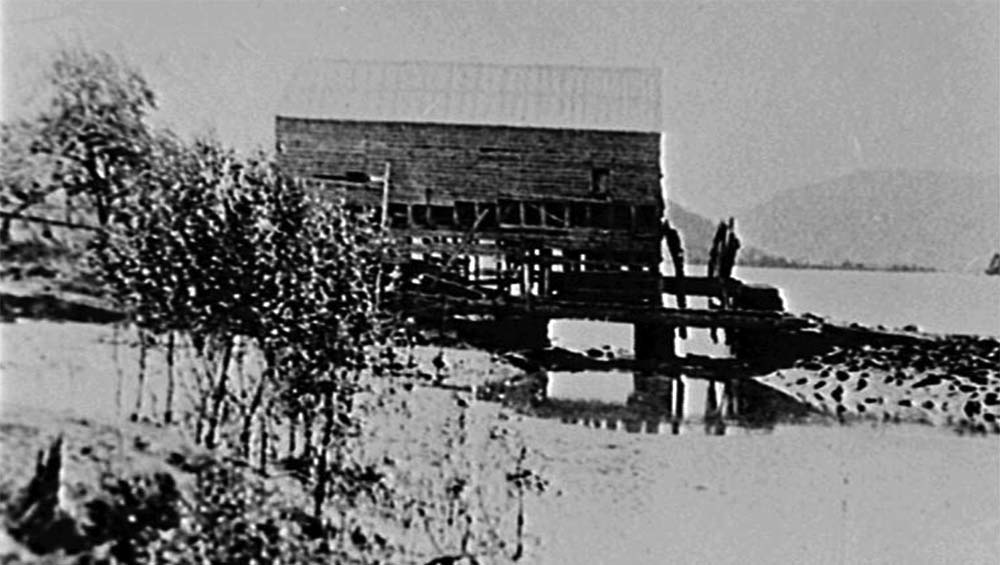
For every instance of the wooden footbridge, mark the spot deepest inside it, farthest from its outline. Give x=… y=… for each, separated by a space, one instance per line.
x=521 y=321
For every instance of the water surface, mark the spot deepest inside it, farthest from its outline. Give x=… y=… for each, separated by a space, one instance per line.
x=648 y=403
x=936 y=302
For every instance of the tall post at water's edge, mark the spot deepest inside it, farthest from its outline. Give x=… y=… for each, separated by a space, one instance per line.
x=514 y=332
x=653 y=341
x=678 y=416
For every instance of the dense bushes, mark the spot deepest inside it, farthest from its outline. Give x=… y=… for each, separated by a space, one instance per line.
x=228 y=253
x=227 y=259
x=234 y=518
x=132 y=512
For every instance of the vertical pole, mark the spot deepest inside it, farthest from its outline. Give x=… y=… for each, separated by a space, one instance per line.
x=668 y=399
x=168 y=414
x=678 y=404
x=262 y=456
x=385 y=225
x=711 y=400
x=711 y=408
x=653 y=341
x=385 y=195
x=526 y=282
x=731 y=401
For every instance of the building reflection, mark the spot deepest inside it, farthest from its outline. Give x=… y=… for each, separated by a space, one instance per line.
x=660 y=404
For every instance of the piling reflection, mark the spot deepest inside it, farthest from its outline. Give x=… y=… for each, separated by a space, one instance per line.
x=656 y=404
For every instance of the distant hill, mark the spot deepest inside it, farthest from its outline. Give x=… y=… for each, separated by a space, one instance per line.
x=698 y=231
x=945 y=221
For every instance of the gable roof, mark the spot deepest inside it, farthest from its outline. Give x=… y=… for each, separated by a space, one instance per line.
x=595 y=98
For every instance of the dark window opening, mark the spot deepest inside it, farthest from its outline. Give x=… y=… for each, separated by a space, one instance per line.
x=489 y=213
x=647 y=257
x=442 y=216
x=532 y=213
x=555 y=214
x=510 y=212
x=356 y=176
x=398 y=216
x=349 y=176
x=600 y=180
x=488 y=150
x=622 y=217
x=420 y=217
x=465 y=212
x=600 y=216
x=579 y=215
x=599 y=260
x=645 y=219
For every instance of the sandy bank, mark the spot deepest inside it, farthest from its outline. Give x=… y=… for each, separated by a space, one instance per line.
x=858 y=493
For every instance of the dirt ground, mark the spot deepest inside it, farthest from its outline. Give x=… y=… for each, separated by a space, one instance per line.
x=860 y=493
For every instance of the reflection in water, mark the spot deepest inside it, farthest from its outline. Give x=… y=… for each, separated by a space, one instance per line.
x=645 y=403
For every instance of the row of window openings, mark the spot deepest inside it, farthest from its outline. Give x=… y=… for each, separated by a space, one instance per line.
x=520 y=213
x=584 y=263
x=600 y=178
x=557 y=256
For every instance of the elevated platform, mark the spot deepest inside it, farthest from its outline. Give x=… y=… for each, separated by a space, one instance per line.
x=437 y=305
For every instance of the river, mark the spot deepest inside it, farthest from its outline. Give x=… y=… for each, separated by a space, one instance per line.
x=934 y=302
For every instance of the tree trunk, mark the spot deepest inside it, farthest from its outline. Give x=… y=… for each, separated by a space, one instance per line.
x=256 y=401
x=141 y=386
x=307 y=433
x=258 y=397
x=168 y=413
x=219 y=396
x=263 y=445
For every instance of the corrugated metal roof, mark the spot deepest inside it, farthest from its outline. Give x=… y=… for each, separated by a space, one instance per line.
x=601 y=98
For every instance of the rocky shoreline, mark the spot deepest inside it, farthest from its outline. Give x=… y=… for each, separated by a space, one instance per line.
x=952 y=381
x=902 y=376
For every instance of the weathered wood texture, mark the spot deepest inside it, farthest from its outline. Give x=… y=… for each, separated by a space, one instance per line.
x=440 y=163
x=434 y=307
x=531 y=204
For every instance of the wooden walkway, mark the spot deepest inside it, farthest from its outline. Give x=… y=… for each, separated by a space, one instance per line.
x=438 y=305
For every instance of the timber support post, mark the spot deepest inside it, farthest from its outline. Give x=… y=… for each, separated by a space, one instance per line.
x=527 y=332
x=653 y=341
x=510 y=333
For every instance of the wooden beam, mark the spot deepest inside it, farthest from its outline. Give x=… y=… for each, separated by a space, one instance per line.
x=700 y=286
x=607 y=312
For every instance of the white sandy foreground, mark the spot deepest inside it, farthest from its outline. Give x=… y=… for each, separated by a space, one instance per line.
x=852 y=494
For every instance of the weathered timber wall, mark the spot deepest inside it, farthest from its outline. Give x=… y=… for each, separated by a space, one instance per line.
x=439 y=163
x=549 y=202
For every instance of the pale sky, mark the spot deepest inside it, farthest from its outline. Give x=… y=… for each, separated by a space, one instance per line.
x=757 y=96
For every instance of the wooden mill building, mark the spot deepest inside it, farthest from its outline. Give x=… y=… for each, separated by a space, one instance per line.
x=536 y=172
x=535 y=187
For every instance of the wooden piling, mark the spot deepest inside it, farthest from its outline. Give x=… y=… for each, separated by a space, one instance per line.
x=711 y=401
x=679 y=399
x=653 y=342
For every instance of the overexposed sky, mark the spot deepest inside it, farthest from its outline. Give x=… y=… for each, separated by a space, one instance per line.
x=758 y=96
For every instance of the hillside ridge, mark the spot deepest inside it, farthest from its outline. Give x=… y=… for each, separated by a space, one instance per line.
x=941 y=220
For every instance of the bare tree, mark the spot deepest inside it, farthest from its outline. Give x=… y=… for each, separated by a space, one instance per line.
x=92 y=139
